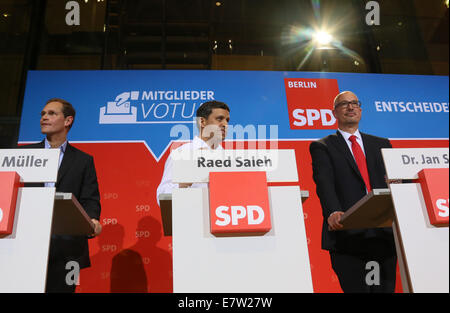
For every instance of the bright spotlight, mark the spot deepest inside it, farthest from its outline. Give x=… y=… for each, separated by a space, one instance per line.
x=322 y=38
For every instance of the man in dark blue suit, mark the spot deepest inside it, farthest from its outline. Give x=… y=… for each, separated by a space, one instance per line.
x=76 y=175
x=346 y=166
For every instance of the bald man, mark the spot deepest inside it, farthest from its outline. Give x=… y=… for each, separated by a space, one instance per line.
x=346 y=166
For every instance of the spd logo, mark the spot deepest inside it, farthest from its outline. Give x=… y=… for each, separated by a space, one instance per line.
x=434 y=183
x=9 y=185
x=310 y=102
x=239 y=203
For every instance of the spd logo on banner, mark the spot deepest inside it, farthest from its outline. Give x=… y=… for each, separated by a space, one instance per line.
x=9 y=186
x=434 y=183
x=239 y=203
x=310 y=102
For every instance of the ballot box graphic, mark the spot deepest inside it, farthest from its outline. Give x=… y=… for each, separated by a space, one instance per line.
x=120 y=110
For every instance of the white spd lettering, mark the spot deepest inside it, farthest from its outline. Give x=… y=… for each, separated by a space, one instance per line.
x=225 y=215
x=142 y=234
x=442 y=205
x=109 y=221
x=109 y=248
x=309 y=116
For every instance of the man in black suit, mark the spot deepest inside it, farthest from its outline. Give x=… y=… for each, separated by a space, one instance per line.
x=346 y=166
x=77 y=175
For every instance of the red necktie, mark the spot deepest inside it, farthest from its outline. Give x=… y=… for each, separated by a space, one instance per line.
x=360 y=161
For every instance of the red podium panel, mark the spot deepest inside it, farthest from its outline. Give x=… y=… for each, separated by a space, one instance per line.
x=239 y=203
x=9 y=186
x=434 y=183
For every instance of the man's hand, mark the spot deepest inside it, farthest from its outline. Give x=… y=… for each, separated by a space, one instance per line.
x=334 y=220
x=392 y=181
x=97 y=227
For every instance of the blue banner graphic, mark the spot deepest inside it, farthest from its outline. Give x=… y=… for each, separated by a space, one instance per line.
x=159 y=106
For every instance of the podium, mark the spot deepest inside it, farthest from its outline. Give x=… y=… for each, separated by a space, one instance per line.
x=374 y=210
x=165 y=204
x=277 y=261
x=422 y=248
x=69 y=217
x=40 y=212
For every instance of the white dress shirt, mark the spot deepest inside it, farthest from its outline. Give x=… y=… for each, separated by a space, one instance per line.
x=349 y=143
x=62 y=148
x=166 y=185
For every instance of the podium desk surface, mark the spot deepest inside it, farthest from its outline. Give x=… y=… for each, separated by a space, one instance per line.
x=165 y=204
x=69 y=217
x=374 y=210
x=168 y=196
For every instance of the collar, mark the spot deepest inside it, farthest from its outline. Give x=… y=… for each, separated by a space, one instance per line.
x=62 y=147
x=347 y=135
x=198 y=143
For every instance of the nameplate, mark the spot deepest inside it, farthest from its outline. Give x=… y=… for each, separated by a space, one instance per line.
x=194 y=166
x=33 y=165
x=407 y=163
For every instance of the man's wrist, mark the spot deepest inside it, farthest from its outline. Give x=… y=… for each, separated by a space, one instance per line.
x=333 y=213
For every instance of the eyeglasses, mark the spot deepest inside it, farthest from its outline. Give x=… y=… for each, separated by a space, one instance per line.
x=345 y=104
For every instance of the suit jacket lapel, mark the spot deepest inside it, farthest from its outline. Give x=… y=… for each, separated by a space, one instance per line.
x=67 y=160
x=370 y=153
x=343 y=147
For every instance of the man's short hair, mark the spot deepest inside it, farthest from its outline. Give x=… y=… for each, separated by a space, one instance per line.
x=206 y=108
x=339 y=95
x=67 y=110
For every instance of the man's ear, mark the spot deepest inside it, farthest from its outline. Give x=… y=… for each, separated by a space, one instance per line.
x=202 y=122
x=68 y=121
x=198 y=122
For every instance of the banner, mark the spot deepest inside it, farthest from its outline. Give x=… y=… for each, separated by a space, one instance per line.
x=128 y=121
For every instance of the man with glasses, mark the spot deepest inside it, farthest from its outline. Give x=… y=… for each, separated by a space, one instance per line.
x=346 y=166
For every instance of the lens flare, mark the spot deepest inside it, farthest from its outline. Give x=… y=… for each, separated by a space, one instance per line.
x=300 y=41
x=322 y=38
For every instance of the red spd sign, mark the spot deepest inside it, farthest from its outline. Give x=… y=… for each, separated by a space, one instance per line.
x=310 y=102
x=9 y=186
x=434 y=183
x=239 y=203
